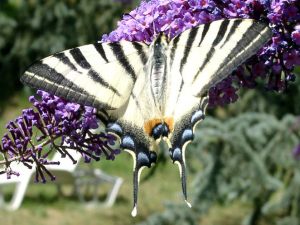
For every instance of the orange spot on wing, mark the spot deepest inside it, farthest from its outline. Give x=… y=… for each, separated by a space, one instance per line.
x=170 y=123
x=150 y=124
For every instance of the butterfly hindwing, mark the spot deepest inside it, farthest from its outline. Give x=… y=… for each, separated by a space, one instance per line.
x=101 y=75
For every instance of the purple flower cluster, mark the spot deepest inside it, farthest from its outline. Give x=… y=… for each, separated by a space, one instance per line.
x=60 y=126
x=274 y=63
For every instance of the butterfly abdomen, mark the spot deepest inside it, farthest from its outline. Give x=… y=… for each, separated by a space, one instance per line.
x=157 y=78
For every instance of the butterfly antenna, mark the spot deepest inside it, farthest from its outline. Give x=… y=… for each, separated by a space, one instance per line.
x=153 y=23
x=169 y=33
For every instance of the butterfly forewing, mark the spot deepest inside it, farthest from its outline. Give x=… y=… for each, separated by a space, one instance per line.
x=100 y=75
x=207 y=54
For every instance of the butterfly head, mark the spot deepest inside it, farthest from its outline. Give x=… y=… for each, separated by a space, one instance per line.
x=164 y=37
x=160 y=42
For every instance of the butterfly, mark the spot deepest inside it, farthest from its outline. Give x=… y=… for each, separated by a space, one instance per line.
x=151 y=92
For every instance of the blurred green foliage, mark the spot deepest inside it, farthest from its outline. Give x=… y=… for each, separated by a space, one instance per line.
x=275 y=103
x=33 y=29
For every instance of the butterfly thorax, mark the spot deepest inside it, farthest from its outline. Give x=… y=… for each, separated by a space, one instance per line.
x=157 y=65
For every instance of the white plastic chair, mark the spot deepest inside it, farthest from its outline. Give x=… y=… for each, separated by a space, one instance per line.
x=66 y=166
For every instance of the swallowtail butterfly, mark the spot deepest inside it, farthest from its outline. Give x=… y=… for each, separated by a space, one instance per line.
x=152 y=92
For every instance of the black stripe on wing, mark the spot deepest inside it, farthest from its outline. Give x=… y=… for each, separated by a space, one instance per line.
x=204 y=32
x=232 y=30
x=248 y=36
x=42 y=76
x=141 y=52
x=189 y=43
x=173 y=50
x=217 y=40
x=100 y=50
x=123 y=60
x=98 y=78
x=83 y=62
x=137 y=103
x=241 y=51
x=79 y=58
x=44 y=71
x=63 y=58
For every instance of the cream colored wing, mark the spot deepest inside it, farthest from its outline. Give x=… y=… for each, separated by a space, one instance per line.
x=206 y=54
x=101 y=75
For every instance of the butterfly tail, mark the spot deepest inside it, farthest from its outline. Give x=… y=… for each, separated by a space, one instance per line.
x=136 y=178
x=142 y=159
x=177 y=155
